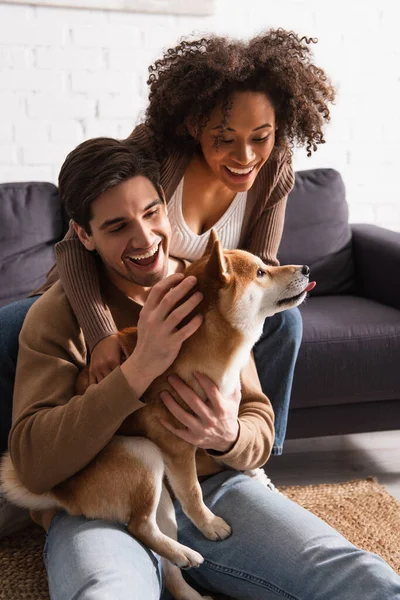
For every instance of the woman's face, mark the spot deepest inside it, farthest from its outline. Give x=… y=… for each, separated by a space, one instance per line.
x=246 y=144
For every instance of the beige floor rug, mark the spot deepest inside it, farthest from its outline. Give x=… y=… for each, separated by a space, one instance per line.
x=363 y=511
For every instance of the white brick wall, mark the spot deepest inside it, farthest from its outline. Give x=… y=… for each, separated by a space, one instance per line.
x=67 y=75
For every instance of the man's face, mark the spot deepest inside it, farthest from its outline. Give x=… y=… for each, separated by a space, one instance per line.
x=130 y=231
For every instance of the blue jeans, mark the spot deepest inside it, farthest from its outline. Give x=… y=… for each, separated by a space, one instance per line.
x=12 y=317
x=275 y=355
x=278 y=550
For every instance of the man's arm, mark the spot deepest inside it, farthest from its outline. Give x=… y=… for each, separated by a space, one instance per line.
x=238 y=431
x=55 y=432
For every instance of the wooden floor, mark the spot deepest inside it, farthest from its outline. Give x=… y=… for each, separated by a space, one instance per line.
x=339 y=458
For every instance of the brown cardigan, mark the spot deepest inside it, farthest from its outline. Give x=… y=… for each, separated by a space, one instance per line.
x=261 y=234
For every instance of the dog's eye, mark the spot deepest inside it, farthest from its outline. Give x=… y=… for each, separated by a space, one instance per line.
x=260 y=273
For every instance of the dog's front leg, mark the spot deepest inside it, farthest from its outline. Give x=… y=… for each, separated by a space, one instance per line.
x=182 y=476
x=174 y=581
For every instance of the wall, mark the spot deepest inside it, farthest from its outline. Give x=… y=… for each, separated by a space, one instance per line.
x=70 y=74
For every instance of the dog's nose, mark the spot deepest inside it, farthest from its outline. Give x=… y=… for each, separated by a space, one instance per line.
x=305 y=270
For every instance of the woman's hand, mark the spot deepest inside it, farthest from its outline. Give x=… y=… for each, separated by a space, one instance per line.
x=106 y=355
x=214 y=424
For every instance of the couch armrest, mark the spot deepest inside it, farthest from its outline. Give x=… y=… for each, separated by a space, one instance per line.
x=376 y=253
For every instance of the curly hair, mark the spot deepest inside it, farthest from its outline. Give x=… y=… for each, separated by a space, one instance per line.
x=190 y=79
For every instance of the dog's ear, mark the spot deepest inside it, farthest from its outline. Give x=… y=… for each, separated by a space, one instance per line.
x=212 y=238
x=217 y=267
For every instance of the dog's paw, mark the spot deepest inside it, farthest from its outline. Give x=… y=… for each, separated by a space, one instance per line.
x=217 y=529
x=188 y=559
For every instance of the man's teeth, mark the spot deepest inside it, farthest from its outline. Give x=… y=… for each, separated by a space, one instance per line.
x=240 y=171
x=147 y=254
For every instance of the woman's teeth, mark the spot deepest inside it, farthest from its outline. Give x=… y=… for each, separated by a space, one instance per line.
x=240 y=171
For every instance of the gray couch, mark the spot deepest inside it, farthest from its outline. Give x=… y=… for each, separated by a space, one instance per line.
x=346 y=377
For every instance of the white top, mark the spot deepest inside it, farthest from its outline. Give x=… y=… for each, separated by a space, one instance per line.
x=190 y=246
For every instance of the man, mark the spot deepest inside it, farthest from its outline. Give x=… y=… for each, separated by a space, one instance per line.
x=277 y=549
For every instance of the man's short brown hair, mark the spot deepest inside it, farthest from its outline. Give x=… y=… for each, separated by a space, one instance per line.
x=96 y=166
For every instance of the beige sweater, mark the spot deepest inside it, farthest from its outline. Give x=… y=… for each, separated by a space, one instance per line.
x=55 y=432
x=261 y=234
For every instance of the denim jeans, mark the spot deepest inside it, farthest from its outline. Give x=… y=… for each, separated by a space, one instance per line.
x=275 y=355
x=278 y=550
x=11 y=319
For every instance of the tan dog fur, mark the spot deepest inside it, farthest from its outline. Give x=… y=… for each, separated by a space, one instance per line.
x=124 y=482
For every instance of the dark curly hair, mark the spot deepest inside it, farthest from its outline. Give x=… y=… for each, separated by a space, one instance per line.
x=190 y=79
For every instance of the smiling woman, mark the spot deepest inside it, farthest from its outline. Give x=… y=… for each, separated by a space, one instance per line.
x=236 y=154
x=222 y=118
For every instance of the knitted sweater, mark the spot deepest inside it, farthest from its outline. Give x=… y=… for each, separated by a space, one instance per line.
x=56 y=432
x=261 y=234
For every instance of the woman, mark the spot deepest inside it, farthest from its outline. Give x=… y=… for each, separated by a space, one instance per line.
x=222 y=118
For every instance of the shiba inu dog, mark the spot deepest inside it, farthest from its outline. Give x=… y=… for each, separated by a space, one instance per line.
x=125 y=481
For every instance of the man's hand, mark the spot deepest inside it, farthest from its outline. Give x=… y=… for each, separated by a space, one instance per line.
x=214 y=425
x=106 y=355
x=158 y=339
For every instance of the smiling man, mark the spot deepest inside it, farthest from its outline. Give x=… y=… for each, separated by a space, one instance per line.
x=277 y=548
x=130 y=254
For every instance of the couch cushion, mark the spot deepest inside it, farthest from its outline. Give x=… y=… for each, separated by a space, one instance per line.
x=317 y=232
x=349 y=352
x=31 y=222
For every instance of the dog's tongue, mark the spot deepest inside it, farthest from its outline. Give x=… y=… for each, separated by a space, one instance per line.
x=310 y=286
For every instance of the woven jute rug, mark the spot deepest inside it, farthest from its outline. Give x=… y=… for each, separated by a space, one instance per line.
x=363 y=511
